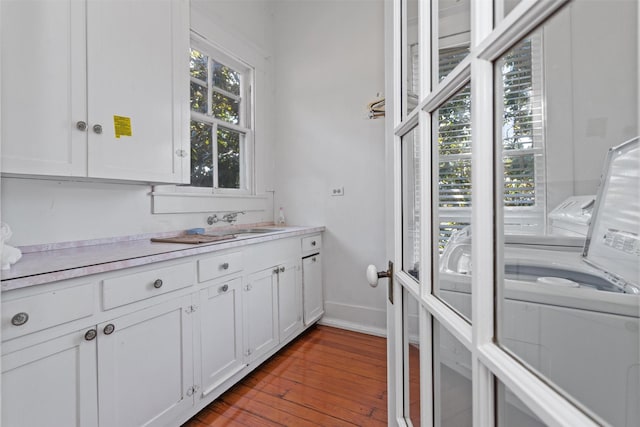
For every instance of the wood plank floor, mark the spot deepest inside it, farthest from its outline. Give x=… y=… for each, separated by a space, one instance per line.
x=326 y=377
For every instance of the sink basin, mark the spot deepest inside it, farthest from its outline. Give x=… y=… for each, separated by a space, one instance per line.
x=256 y=230
x=243 y=231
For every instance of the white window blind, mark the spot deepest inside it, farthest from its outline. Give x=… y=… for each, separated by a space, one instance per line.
x=520 y=83
x=522 y=129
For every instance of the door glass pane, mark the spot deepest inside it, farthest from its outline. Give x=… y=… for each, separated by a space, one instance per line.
x=568 y=292
x=454 y=36
x=229 y=146
x=452 y=195
x=504 y=7
x=452 y=380
x=412 y=358
x=412 y=61
x=411 y=203
x=511 y=410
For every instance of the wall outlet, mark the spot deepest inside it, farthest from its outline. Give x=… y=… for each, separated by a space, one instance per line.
x=339 y=191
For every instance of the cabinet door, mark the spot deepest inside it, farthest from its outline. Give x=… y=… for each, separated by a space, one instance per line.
x=289 y=301
x=138 y=82
x=145 y=365
x=312 y=288
x=53 y=383
x=43 y=82
x=221 y=333
x=260 y=301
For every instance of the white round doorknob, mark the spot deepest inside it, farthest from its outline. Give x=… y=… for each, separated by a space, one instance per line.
x=372 y=275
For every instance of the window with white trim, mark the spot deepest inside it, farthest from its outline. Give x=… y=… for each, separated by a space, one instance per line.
x=221 y=121
x=523 y=143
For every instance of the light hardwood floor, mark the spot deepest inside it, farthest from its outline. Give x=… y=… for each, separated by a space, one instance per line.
x=326 y=377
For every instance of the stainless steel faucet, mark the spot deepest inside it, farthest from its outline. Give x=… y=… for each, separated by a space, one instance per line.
x=231 y=217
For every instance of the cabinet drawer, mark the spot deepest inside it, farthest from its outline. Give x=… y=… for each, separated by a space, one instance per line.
x=146 y=284
x=219 y=265
x=31 y=314
x=311 y=243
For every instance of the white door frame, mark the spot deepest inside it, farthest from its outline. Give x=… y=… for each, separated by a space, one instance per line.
x=489 y=361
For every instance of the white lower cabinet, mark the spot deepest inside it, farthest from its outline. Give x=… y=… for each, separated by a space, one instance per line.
x=312 y=288
x=51 y=383
x=289 y=301
x=151 y=349
x=221 y=342
x=145 y=365
x=260 y=301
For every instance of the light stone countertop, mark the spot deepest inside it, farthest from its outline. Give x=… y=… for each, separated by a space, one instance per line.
x=65 y=261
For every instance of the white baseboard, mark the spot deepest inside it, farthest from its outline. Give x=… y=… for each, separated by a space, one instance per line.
x=355 y=318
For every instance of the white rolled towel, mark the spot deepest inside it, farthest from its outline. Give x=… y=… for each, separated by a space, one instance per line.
x=10 y=255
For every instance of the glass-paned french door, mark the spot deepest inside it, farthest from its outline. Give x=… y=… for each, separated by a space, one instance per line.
x=514 y=144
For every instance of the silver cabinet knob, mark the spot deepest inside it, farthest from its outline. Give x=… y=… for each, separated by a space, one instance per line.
x=224 y=266
x=97 y=128
x=276 y=270
x=281 y=269
x=313 y=243
x=90 y=334
x=108 y=329
x=20 y=319
x=81 y=125
x=224 y=288
x=314 y=259
x=157 y=284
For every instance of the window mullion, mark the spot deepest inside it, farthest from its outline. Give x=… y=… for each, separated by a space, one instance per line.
x=209 y=87
x=214 y=148
x=225 y=93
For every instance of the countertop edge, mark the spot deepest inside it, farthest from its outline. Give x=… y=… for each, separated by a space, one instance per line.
x=181 y=251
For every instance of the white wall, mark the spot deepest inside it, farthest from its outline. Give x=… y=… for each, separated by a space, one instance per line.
x=326 y=60
x=591 y=85
x=47 y=211
x=329 y=65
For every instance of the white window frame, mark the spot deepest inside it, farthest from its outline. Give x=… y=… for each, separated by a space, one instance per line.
x=489 y=360
x=244 y=127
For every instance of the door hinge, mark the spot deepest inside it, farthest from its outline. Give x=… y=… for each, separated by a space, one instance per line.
x=181 y=153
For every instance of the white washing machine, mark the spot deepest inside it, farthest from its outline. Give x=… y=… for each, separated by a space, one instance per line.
x=571 y=303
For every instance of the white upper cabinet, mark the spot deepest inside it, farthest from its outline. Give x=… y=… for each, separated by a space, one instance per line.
x=96 y=89
x=44 y=80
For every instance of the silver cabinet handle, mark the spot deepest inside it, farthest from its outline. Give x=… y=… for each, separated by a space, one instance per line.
x=20 y=319
x=97 y=129
x=314 y=259
x=157 y=284
x=90 y=334
x=224 y=288
x=281 y=269
x=313 y=243
x=224 y=266
x=81 y=125
x=108 y=329
x=276 y=270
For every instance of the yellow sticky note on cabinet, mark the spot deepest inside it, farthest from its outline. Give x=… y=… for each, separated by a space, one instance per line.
x=122 y=126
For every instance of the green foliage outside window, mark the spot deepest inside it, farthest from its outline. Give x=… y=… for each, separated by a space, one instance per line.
x=224 y=104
